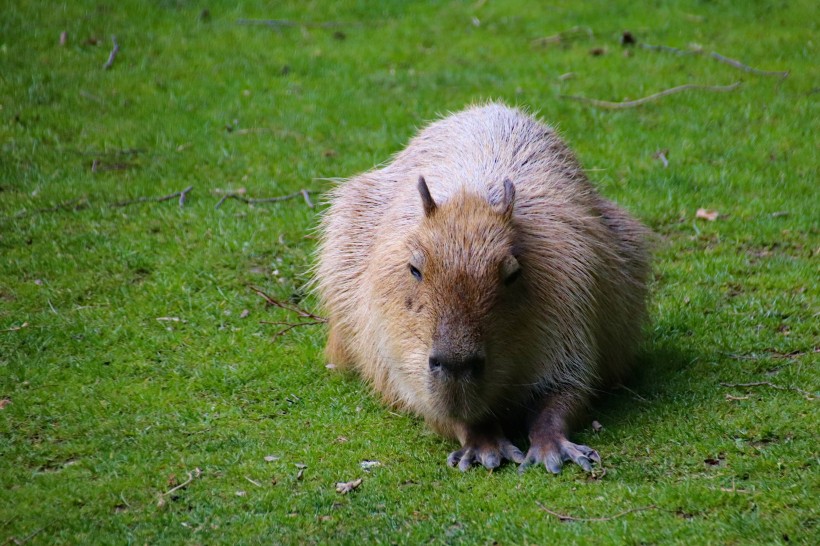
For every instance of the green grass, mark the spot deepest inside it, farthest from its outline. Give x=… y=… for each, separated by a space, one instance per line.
x=110 y=407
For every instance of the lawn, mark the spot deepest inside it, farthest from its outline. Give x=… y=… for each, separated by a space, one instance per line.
x=145 y=399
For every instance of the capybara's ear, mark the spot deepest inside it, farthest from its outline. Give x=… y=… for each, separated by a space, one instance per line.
x=426 y=198
x=505 y=206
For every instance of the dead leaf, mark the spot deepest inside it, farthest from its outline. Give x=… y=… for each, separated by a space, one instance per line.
x=346 y=487
x=596 y=426
x=663 y=156
x=4 y=402
x=244 y=313
x=271 y=458
x=597 y=51
x=367 y=465
x=16 y=328
x=240 y=493
x=708 y=215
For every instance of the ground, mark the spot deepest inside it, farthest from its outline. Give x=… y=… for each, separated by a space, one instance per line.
x=145 y=400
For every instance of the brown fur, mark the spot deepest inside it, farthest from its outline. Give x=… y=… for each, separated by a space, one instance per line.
x=569 y=323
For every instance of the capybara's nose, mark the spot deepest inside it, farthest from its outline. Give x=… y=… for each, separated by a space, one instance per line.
x=454 y=366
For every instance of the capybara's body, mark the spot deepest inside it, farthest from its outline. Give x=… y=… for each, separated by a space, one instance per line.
x=478 y=280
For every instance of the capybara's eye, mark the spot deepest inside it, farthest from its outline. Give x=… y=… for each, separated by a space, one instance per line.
x=512 y=277
x=415 y=272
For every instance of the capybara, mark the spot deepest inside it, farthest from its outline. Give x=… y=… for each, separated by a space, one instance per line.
x=479 y=280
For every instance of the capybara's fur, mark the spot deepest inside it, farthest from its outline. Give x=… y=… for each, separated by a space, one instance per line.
x=479 y=280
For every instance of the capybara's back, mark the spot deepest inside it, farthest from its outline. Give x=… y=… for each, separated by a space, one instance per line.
x=480 y=281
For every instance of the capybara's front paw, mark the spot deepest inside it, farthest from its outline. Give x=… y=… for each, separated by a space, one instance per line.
x=555 y=453
x=486 y=452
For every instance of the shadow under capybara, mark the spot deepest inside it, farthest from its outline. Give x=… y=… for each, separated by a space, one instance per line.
x=480 y=281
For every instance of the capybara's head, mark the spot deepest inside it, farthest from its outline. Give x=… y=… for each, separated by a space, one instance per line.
x=458 y=293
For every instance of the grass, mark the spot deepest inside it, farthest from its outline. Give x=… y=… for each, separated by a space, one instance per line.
x=108 y=407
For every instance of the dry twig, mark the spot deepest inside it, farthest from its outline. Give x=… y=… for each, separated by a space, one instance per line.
x=565 y=517
x=73 y=204
x=191 y=476
x=291 y=325
x=638 y=102
x=312 y=319
x=180 y=194
x=287 y=307
x=807 y=394
x=718 y=57
x=747 y=68
x=305 y=194
x=113 y=55
x=668 y=49
x=563 y=35
x=254 y=482
x=772 y=354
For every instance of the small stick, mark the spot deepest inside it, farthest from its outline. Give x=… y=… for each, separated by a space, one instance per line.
x=74 y=204
x=254 y=482
x=772 y=355
x=807 y=394
x=635 y=394
x=306 y=195
x=740 y=65
x=638 y=102
x=668 y=49
x=292 y=325
x=558 y=38
x=181 y=194
x=717 y=56
x=196 y=473
x=292 y=308
x=250 y=201
x=113 y=55
x=565 y=517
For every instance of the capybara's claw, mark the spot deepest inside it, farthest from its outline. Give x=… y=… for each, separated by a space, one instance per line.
x=489 y=455
x=555 y=454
